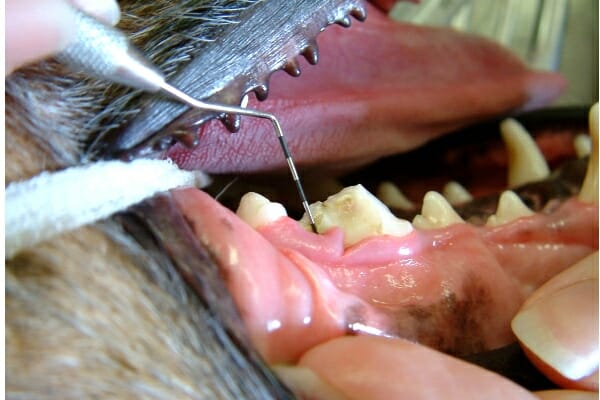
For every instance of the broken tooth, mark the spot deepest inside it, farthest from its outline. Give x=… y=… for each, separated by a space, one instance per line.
x=257 y=210
x=583 y=145
x=589 y=189
x=456 y=193
x=510 y=208
x=392 y=196
x=358 y=213
x=526 y=163
x=436 y=213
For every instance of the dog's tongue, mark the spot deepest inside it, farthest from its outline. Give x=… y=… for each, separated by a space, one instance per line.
x=381 y=87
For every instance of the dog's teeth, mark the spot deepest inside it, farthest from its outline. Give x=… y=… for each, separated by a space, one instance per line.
x=526 y=163
x=358 y=213
x=257 y=210
x=436 y=213
x=392 y=196
x=456 y=193
x=589 y=189
x=510 y=207
x=583 y=145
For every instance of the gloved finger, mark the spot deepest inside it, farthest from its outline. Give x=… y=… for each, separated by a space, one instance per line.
x=370 y=367
x=35 y=29
x=558 y=326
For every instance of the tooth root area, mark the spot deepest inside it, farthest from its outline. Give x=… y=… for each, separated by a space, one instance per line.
x=358 y=213
x=392 y=196
x=589 y=189
x=583 y=145
x=257 y=210
x=456 y=193
x=510 y=208
x=436 y=213
x=526 y=163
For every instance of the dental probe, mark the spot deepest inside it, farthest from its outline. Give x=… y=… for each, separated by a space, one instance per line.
x=105 y=52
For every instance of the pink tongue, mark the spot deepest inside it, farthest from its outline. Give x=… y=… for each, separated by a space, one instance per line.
x=380 y=88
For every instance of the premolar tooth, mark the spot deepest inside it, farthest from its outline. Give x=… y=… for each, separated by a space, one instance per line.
x=358 y=213
x=456 y=193
x=436 y=213
x=510 y=207
x=589 y=189
x=583 y=145
x=526 y=163
x=257 y=210
x=392 y=196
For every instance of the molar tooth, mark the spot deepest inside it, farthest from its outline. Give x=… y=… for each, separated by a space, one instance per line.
x=456 y=193
x=436 y=213
x=392 y=196
x=510 y=207
x=358 y=213
x=589 y=189
x=257 y=210
x=526 y=163
x=583 y=145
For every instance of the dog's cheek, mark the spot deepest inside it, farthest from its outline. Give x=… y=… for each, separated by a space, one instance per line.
x=83 y=320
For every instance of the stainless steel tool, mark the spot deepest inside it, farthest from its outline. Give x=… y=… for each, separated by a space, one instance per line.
x=105 y=52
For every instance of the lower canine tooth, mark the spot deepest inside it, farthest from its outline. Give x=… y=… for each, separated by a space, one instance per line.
x=526 y=163
x=456 y=193
x=589 y=189
x=436 y=213
x=583 y=145
x=257 y=210
x=358 y=213
x=510 y=207
x=391 y=196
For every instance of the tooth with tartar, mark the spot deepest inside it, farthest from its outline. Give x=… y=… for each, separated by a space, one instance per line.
x=392 y=196
x=456 y=193
x=589 y=189
x=358 y=213
x=510 y=208
x=583 y=145
x=257 y=210
x=526 y=163
x=436 y=213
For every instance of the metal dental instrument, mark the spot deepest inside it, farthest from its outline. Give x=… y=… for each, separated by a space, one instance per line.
x=105 y=52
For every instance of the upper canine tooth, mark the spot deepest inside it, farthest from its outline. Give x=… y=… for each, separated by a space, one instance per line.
x=510 y=207
x=583 y=145
x=358 y=213
x=257 y=210
x=589 y=189
x=436 y=213
x=456 y=193
x=526 y=163
x=392 y=196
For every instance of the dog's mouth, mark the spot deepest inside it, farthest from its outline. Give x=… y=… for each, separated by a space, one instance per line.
x=382 y=89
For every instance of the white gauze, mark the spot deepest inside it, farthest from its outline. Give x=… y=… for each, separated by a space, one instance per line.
x=51 y=203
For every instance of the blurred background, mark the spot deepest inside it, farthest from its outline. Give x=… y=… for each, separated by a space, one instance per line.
x=555 y=35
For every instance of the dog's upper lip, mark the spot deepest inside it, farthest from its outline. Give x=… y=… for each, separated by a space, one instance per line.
x=380 y=88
